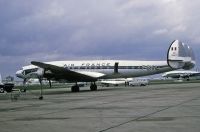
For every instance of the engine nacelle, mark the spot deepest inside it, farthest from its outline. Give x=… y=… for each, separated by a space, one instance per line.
x=40 y=72
x=36 y=73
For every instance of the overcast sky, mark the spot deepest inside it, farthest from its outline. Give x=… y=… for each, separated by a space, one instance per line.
x=47 y=30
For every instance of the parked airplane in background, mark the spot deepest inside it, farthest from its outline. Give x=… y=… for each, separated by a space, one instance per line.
x=181 y=74
x=179 y=56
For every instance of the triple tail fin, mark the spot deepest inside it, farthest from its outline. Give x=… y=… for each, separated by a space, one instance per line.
x=180 y=56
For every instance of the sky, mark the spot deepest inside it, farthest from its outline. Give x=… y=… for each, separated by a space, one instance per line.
x=49 y=30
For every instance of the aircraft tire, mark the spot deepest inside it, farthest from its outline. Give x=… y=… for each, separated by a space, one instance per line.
x=75 y=88
x=1 y=90
x=93 y=87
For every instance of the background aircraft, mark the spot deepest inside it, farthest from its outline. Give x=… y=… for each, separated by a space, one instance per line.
x=186 y=74
x=179 y=55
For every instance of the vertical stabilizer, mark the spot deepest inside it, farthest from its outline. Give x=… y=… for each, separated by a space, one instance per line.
x=180 y=55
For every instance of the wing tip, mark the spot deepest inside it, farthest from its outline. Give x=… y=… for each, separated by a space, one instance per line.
x=35 y=63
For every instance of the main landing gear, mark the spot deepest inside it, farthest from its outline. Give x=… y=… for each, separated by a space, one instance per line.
x=93 y=87
x=41 y=90
x=24 y=86
x=75 y=88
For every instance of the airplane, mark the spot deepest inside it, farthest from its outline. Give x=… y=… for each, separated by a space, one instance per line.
x=179 y=56
x=186 y=74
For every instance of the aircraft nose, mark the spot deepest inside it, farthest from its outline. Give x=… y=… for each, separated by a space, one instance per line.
x=19 y=74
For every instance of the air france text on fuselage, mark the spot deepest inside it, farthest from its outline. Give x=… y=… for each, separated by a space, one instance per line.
x=108 y=66
x=87 y=65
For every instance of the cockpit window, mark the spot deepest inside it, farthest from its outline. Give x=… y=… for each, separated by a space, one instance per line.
x=30 y=70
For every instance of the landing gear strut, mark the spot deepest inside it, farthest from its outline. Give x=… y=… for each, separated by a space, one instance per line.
x=50 y=85
x=24 y=83
x=93 y=87
x=187 y=78
x=75 y=88
x=41 y=92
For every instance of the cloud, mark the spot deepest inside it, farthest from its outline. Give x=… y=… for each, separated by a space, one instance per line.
x=160 y=31
x=67 y=29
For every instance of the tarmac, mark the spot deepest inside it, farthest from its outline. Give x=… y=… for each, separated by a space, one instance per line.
x=153 y=108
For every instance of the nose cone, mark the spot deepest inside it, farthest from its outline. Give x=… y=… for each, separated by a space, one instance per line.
x=19 y=74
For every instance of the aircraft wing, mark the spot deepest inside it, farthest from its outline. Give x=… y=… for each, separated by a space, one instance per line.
x=58 y=72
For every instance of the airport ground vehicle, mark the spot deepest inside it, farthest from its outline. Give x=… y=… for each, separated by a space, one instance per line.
x=139 y=82
x=1 y=88
x=8 y=87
